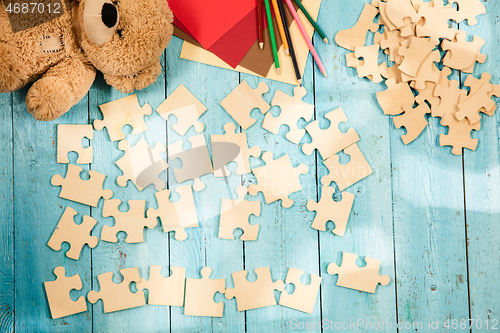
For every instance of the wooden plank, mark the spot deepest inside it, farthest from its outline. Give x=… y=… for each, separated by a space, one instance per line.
x=7 y=210
x=37 y=209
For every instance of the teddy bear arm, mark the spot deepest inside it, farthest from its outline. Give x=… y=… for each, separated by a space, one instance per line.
x=138 y=81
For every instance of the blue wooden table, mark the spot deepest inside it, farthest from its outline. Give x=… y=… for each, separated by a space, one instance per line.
x=431 y=217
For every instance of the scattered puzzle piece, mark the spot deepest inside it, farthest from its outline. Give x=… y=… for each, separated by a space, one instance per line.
x=413 y=120
x=359 y=278
x=200 y=295
x=292 y=109
x=176 y=216
x=436 y=24
x=356 y=36
x=242 y=100
x=76 y=235
x=352 y=61
x=394 y=97
x=427 y=72
x=478 y=100
x=69 y=138
x=257 y=294
x=236 y=213
x=304 y=296
x=369 y=68
x=390 y=41
x=468 y=10
x=116 y=297
x=450 y=97
x=123 y=111
x=414 y=55
x=60 y=302
x=186 y=108
x=87 y=192
x=328 y=209
x=397 y=10
x=384 y=19
x=277 y=179
x=392 y=72
x=462 y=55
x=164 y=290
x=331 y=140
x=459 y=134
x=141 y=164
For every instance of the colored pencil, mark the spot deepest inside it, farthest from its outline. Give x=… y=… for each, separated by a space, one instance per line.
x=261 y=27
x=280 y=26
x=311 y=20
x=306 y=37
x=273 y=38
x=290 y=43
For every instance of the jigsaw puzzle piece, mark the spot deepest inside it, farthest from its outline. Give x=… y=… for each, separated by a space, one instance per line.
x=479 y=99
x=356 y=36
x=436 y=24
x=186 y=108
x=359 y=278
x=304 y=296
x=200 y=295
x=69 y=138
x=413 y=120
x=132 y=222
x=292 y=109
x=123 y=111
x=414 y=55
x=167 y=291
x=242 y=100
x=427 y=72
x=468 y=10
x=60 y=302
x=450 y=97
x=397 y=10
x=384 y=19
x=76 y=235
x=459 y=134
x=462 y=55
x=370 y=67
x=116 y=297
x=394 y=97
x=87 y=192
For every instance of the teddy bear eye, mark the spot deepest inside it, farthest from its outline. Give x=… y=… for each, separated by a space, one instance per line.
x=100 y=18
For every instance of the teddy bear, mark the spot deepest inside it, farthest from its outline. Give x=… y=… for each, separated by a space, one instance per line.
x=123 y=39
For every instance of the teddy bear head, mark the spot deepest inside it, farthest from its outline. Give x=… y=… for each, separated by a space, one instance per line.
x=124 y=39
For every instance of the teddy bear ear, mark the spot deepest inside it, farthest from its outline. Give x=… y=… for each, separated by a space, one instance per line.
x=100 y=20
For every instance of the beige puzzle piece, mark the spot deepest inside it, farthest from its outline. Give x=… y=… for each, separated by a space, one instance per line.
x=394 y=97
x=304 y=296
x=132 y=222
x=87 y=192
x=359 y=278
x=176 y=216
x=141 y=164
x=277 y=179
x=242 y=100
x=116 y=297
x=475 y=85
x=60 y=302
x=478 y=100
x=459 y=134
x=397 y=10
x=414 y=55
x=468 y=10
x=186 y=108
x=462 y=55
x=370 y=67
x=328 y=209
x=450 y=97
x=200 y=295
x=69 y=138
x=352 y=61
x=257 y=294
x=292 y=108
x=331 y=140
x=390 y=41
x=427 y=93
x=436 y=23
x=356 y=36
x=413 y=120
x=76 y=235
x=168 y=291
x=236 y=214
x=384 y=19
x=392 y=72
x=221 y=157
x=427 y=72
x=123 y=111
x=345 y=175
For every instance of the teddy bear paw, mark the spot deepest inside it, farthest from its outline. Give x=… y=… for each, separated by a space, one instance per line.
x=48 y=99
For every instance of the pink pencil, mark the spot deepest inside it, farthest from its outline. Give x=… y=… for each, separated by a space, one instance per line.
x=306 y=37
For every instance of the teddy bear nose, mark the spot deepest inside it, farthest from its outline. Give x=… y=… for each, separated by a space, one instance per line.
x=109 y=15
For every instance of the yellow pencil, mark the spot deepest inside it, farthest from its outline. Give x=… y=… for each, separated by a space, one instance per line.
x=280 y=26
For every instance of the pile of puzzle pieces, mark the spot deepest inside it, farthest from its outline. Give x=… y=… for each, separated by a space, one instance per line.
x=413 y=34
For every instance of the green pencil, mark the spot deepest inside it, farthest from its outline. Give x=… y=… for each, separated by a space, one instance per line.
x=314 y=24
x=273 y=39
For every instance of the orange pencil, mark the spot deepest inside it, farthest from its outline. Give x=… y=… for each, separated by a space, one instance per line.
x=280 y=26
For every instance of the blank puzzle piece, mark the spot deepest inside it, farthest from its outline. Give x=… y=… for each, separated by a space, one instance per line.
x=462 y=55
x=230 y=147
x=450 y=97
x=398 y=10
x=468 y=10
x=436 y=23
x=257 y=294
x=359 y=278
x=87 y=192
x=413 y=120
x=277 y=179
x=370 y=67
x=292 y=109
x=459 y=134
x=196 y=161
x=141 y=164
x=69 y=138
x=414 y=55
x=331 y=140
x=123 y=111
x=200 y=295
x=394 y=97
x=236 y=213
x=427 y=71
x=356 y=36
x=304 y=296
x=242 y=100
x=186 y=108
x=478 y=100
x=345 y=175
x=167 y=291
x=116 y=297
x=176 y=216
x=328 y=209
x=60 y=302
x=76 y=235
x=132 y=222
